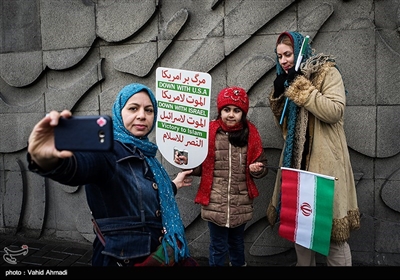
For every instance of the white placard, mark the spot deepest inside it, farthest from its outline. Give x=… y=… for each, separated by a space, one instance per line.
x=183 y=99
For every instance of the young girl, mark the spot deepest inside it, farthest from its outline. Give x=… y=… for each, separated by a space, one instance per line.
x=314 y=137
x=227 y=190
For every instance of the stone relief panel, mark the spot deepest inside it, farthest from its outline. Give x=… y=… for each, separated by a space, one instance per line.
x=76 y=55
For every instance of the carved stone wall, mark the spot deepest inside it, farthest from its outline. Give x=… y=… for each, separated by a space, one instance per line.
x=77 y=55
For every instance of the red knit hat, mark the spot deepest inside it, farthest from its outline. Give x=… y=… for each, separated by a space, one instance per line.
x=235 y=96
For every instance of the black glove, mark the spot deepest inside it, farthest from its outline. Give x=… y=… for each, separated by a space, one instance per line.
x=279 y=85
x=292 y=74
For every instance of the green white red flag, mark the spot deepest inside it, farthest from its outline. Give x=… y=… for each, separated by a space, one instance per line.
x=307 y=209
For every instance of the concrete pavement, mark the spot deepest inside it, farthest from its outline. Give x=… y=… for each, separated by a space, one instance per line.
x=17 y=251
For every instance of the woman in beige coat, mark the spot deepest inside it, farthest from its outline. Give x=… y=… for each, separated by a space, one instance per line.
x=312 y=127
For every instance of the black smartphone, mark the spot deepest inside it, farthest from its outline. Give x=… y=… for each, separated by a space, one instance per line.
x=84 y=133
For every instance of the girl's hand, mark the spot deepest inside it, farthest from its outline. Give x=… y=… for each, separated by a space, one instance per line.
x=256 y=167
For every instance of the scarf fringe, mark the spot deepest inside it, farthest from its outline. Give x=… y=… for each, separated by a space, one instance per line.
x=178 y=244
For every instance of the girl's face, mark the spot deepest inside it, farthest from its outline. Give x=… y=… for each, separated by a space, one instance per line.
x=231 y=115
x=285 y=56
x=138 y=114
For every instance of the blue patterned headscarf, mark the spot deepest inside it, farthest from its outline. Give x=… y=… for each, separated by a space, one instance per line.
x=172 y=222
x=297 y=41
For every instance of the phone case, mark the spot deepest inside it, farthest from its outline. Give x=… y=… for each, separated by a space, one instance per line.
x=84 y=133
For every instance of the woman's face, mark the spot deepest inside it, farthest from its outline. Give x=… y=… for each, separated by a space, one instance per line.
x=231 y=115
x=285 y=56
x=138 y=114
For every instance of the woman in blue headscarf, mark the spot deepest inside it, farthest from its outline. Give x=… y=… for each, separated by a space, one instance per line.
x=132 y=199
x=312 y=127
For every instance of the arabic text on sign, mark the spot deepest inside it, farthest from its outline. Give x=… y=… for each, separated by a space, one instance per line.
x=186 y=80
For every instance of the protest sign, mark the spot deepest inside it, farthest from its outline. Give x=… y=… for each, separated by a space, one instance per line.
x=183 y=99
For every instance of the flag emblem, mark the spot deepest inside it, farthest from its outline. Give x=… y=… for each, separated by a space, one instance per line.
x=306 y=209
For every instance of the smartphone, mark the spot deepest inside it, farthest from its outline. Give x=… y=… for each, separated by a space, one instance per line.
x=84 y=133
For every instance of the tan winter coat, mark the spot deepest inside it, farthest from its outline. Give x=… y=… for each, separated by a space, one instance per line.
x=322 y=103
x=230 y=206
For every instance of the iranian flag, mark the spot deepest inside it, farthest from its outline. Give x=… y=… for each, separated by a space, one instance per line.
x=307 y=209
